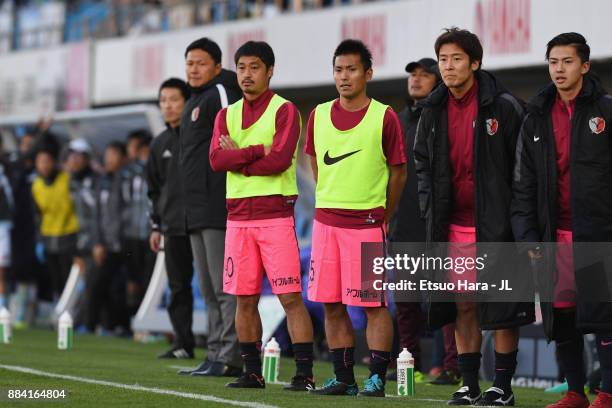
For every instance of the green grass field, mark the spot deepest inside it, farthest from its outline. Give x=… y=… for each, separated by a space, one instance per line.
x=126 y=373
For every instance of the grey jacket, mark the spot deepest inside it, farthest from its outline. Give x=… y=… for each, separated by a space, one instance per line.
x=84 y=191
x=137 y=224
x=113 y=196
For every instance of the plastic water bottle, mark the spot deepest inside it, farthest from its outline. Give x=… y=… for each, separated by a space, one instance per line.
x=271 y=361
x=65 y=332
x=5 y=326
x=405 y=374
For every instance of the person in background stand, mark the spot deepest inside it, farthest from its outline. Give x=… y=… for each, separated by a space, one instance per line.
x=139 y=259
x=408 y=226
x=166 y=216
x=83 y=188
x=25 y=265
x=6 y=216
x=58 y=223
x=106 y=291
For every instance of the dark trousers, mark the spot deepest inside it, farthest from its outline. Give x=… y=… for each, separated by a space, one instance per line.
x=410 y=322
x=106 y=294
x=450 y=348
x=179 y=268
x=59 y=265
x=445 y=348
x=140 y=261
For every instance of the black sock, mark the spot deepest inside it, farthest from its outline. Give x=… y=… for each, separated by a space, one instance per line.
x=379 y=361
x=505 y=366
x=604 y=349
x=303 y=359
x=251 y=355
x=344 y=360
x=469 y=364
x=569 y=353
x=570 y=346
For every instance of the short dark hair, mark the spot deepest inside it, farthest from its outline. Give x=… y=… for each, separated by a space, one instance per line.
x=143 y=136
x=175 y=83
x=259 y=49
x=118 y=146
x=146 y=140
x=352 y=46
x=466 y=40
x=575 y=40
x=207 y=45
x=48 y=143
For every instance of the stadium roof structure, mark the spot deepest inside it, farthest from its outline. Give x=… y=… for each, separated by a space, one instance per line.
x=98 y=126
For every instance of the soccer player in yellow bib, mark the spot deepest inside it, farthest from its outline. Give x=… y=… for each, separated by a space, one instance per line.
x=359 y=163
x=255 y=141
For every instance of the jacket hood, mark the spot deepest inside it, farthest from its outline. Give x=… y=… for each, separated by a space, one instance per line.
x=592 y=89
x=226 y=78
x=489 y=87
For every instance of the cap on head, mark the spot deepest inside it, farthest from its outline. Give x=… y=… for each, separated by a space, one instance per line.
x=79 y=145
x=427 y=64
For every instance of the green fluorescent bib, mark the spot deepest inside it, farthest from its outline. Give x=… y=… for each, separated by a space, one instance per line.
x=352 y=167
x=261 y=132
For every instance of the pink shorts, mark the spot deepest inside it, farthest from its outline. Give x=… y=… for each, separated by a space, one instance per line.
x=462 y=244
x=565 y=287
x=252 y=247
x=335 y=266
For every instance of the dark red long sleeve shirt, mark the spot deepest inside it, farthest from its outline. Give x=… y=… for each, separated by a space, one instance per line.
x=252 y=161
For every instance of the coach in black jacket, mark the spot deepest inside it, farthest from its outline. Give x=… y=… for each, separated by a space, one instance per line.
x=492 y=134
x=167 y=215
x=540 y=210
x=212 y=88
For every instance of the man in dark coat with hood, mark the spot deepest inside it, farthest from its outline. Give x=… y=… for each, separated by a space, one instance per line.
x=464 y=157
x=562 y=195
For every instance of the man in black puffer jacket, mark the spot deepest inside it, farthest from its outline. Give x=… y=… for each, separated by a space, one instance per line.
x=212 y=88
x=562 y=193
x=464 y=157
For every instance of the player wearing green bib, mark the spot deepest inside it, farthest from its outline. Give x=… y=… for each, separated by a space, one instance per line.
x=255 y=141
x=358 y=160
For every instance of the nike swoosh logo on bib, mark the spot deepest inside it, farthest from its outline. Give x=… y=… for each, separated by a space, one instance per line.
x=332 y=160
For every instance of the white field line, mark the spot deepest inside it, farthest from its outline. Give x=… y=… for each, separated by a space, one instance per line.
x=414 y=398
x=178 y=367
x=189 y=395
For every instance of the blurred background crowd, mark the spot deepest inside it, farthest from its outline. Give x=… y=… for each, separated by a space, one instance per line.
x=27 y=24
x=71 y=206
